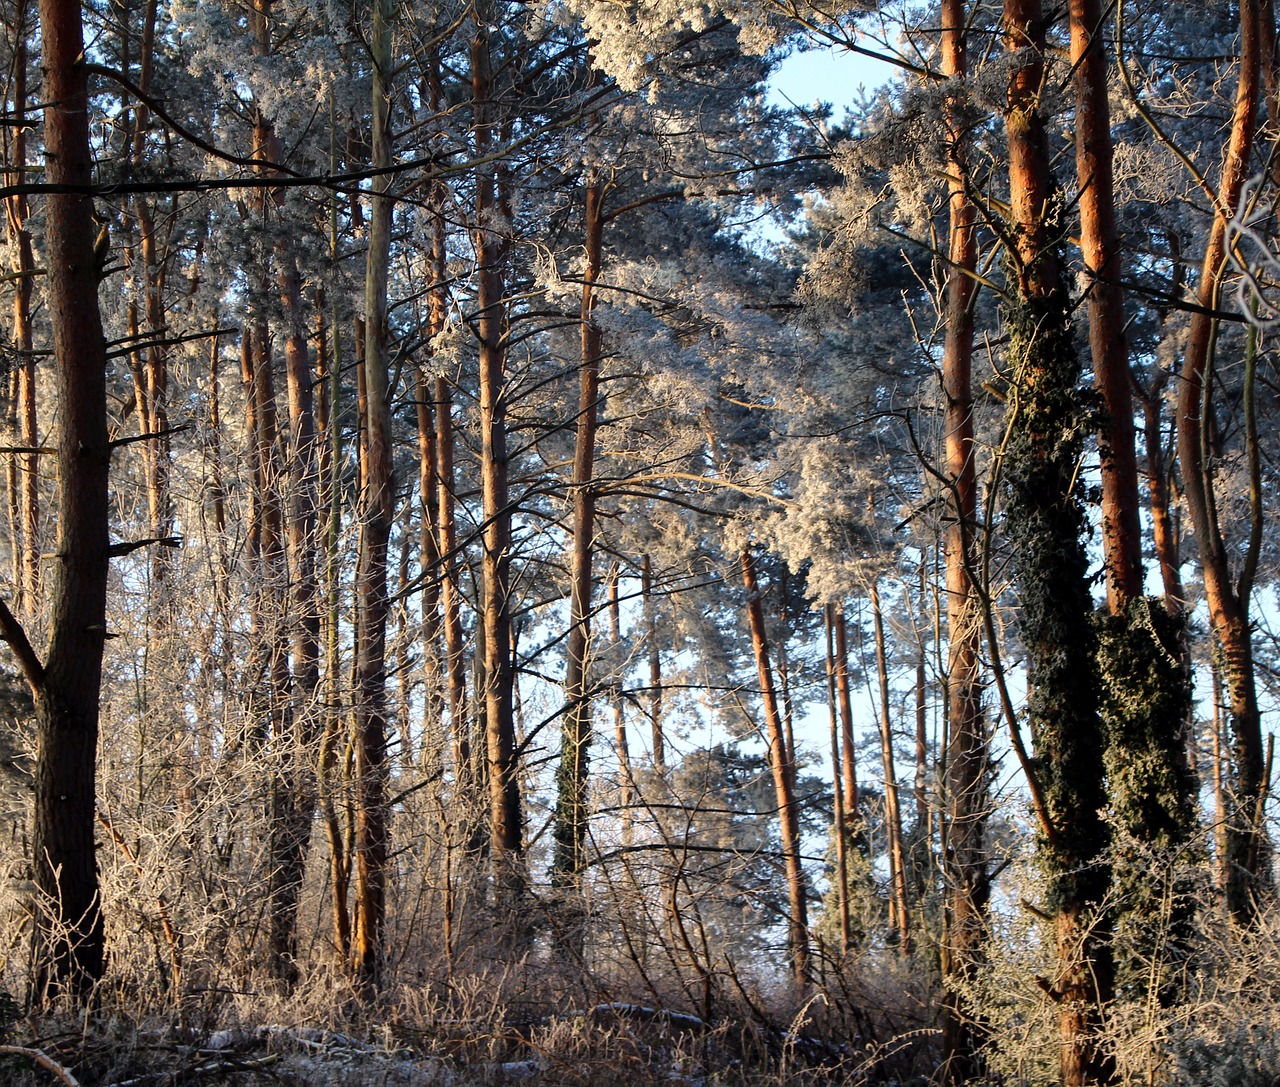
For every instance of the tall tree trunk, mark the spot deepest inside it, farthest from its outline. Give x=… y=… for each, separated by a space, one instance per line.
x=377 y=510
x=784 y=780
x=658 y=740
x=840 y=828
x=506 y=833
x=1248 y=852
x=67 y=687
x=571 y=796
x=1140 y=648
x=1045 y=522
x=966 y=865
x=1100 y=248
x=626 y=776
x=24 y=475
x=328 y=400
x=899 y=902
x=848 y=750
x=296 y=778
x=433 y=735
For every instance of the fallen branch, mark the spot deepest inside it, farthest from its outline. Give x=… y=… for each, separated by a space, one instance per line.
x=43 y=1060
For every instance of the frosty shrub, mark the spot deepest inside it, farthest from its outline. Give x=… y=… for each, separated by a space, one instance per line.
x=1227 y=1031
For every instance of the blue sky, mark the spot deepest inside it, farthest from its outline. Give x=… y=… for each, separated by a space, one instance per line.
x=828 y=75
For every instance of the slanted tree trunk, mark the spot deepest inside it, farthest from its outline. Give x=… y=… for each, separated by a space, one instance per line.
x=1248 y=851
x=1045 y=522
x=571 y=780
x=784 y=780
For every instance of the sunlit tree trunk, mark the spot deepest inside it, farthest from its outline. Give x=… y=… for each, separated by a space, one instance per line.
x=966 y=865
x=1045 y=522
x=848 y=750
x=899 y=904
x=784 y=779
x=376 y=514
x=571 y=781
x=839 y=827
x=506 y=832
x=1248 y=851
x=24 y=467
x=67 y=687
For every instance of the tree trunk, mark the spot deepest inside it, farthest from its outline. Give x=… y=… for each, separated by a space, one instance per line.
x=1100 y=248
x=784 y=780
x=506 y=833
x=899 y=904
x=626 y=778
x=1045 y=522
x=849 y=753
x=658 y=741
x=571 y=781
x=840 y=824
x=297 y=764
x=329 y=390
x=1248 y=853
x=24 y=475
x=376 y=514
x=67 y=689
x=966 y=780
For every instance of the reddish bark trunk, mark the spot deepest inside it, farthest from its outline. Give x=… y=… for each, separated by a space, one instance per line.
x=899 y=905
x=1100 y=248
x=571 y=814
x=65 y=861
x=506 y=833
x=1228 y=602
x=965 y=857
x=376 y=515
x=784 y=779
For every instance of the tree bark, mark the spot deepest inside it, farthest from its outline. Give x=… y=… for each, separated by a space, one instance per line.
x=967 y=801
x=67 y=691
x=899 y=904
x=784 y=780
x=506 y=832
x=657 y=738
x=24 y=474
x=1045 y=522
x=840 y=826
x=1100 y=248
x=1228 y=601
x=572 y=782
x=376 y=514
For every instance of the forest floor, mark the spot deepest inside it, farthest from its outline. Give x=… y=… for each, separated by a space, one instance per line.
x=622 y=1045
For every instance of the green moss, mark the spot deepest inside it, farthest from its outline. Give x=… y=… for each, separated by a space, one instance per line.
x=1045 y=523
x=1145 y=703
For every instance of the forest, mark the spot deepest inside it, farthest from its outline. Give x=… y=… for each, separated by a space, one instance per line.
x=530 y=557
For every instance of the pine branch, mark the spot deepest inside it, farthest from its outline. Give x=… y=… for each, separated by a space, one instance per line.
x=16 y=636
x=127 y=547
